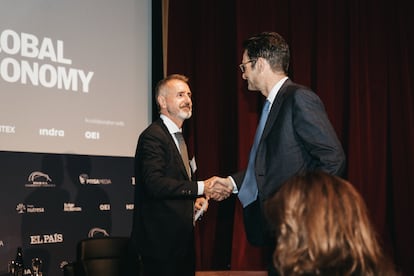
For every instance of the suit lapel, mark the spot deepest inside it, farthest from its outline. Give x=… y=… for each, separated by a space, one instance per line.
x=274 y=111
x=175 y=152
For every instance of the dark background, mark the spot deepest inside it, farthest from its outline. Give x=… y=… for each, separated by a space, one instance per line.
x=356 y=55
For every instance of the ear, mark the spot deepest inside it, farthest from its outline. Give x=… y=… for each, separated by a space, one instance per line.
x=261 y=64
x=161 y=101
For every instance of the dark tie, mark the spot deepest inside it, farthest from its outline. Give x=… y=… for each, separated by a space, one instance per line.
x=248 y=189
x=183 y=151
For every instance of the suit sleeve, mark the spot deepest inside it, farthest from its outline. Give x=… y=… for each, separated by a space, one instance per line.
x=314 y=129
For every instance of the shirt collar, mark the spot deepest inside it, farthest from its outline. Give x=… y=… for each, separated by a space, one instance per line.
x=171 y=126
x=275 y=90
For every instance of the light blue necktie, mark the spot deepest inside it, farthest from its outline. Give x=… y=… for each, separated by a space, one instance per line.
x=248 y=189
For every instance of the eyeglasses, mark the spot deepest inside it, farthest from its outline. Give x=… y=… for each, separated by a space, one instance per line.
x=243 y=65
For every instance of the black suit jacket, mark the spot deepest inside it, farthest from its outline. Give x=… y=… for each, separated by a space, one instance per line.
x=164 y=197
x=297 y=137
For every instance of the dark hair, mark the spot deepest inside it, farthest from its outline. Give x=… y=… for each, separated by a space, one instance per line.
x=322 y=228
x=270 y=46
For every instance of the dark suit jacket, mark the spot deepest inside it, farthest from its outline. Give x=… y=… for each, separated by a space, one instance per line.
x=297 y=137
x=164 y=197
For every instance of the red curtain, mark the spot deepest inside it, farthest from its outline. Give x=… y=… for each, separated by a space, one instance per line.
x=356 y=55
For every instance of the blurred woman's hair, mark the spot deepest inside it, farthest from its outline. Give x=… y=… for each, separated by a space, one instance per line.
x=322 y=227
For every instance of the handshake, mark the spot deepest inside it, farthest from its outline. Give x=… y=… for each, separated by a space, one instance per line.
x=218 y=188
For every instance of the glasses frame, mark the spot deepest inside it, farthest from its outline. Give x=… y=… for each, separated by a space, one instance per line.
x=242 y=66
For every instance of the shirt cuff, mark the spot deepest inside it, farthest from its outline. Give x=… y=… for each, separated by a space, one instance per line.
x=200 y=187
x=235 y=190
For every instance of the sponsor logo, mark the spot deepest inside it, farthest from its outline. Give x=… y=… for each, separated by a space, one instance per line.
x=51 y=132
x=29 y=208
x=46 y=238
x=97 y=231
x=21 y=208
x=71 y=207
x=129 y=206
x=63 y=264
x=93 y=135
x=39 y=179
x=84 y=179
x=105 y=207
x=7 y=129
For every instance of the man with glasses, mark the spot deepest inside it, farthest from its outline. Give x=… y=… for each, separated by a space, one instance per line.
x=294 y=134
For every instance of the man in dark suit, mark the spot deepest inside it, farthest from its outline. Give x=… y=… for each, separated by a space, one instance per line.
x=165 y=194
x=297 y=135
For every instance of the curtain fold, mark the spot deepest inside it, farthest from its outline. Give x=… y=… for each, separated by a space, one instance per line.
x=165 y=10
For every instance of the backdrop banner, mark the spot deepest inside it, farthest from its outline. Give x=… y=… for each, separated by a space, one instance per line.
x=51 y=201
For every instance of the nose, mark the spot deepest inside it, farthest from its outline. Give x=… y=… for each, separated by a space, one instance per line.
x=188 y=100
